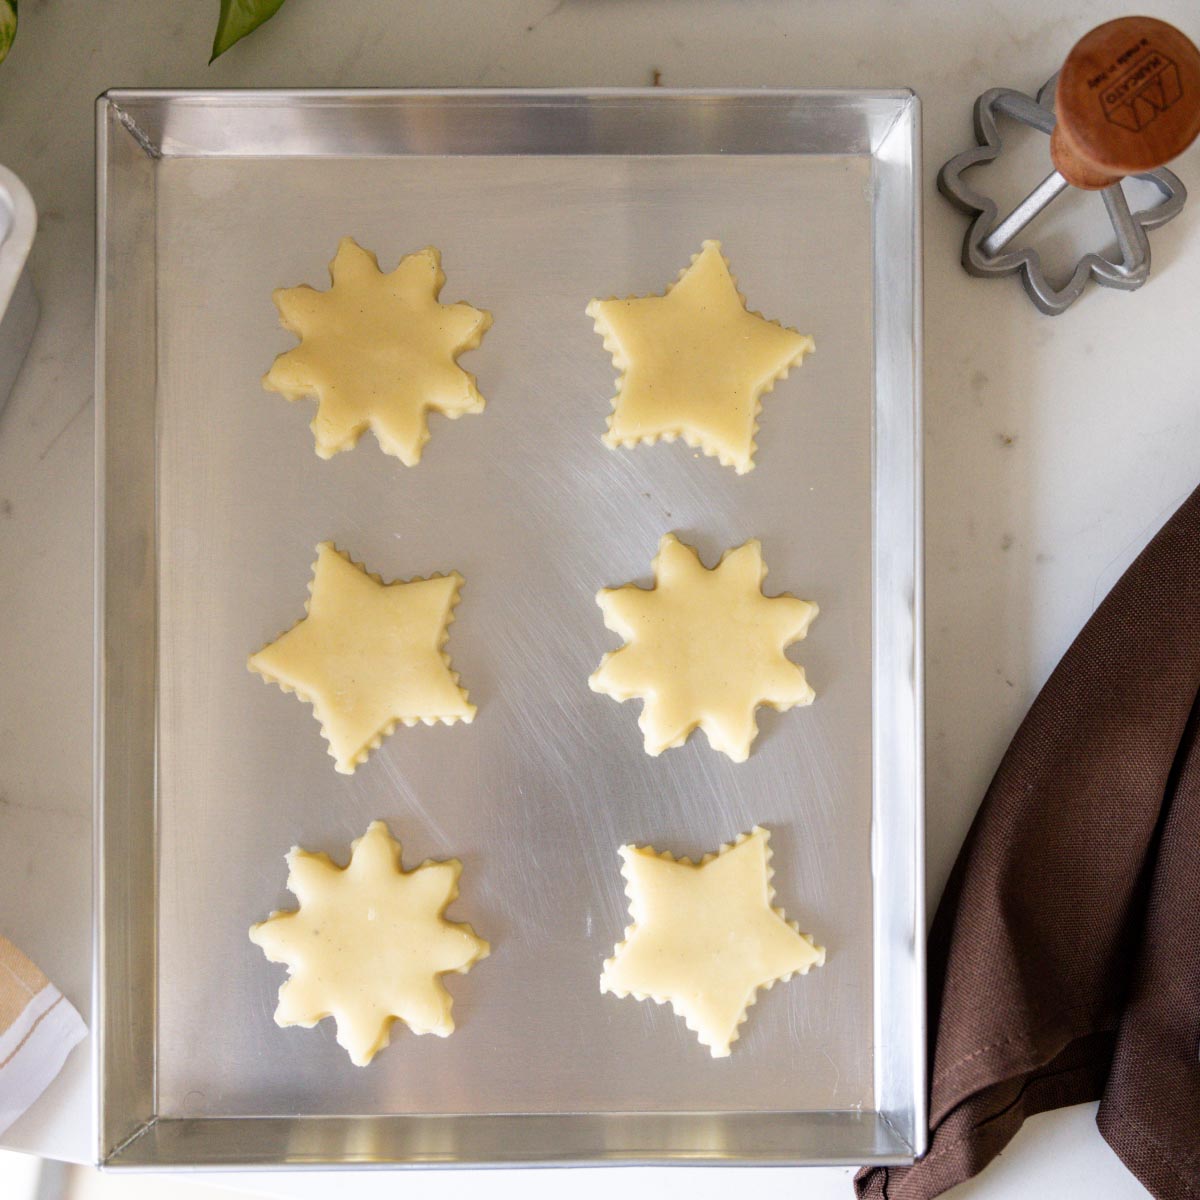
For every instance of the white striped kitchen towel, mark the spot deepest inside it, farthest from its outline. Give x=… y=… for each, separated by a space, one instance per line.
x=38 y=1029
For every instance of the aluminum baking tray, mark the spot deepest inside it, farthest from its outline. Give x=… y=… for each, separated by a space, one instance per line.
x=211 y=501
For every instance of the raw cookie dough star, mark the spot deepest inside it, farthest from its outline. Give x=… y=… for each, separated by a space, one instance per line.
x=369 y=655
x=695 y=363
x=378 y=352
x=704 y=648
x=705 y=936
x=369 y=943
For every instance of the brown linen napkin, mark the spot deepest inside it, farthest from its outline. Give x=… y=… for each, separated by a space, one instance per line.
x=1064 y=959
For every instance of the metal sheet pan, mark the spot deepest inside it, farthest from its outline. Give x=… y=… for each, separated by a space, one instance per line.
x=211 y=501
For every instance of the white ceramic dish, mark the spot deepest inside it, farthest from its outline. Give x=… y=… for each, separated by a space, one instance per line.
x=18 y=302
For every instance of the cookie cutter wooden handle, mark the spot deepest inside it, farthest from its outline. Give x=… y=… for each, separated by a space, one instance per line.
x=1127 y=101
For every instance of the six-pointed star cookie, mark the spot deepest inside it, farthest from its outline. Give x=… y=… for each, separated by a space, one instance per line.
x=369 y=943
x=695 y=363
x=378 y=351
x=369 y=655
x=704 y=648
x=705 y=936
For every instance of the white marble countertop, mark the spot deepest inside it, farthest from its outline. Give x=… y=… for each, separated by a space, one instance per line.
x=1054 y=447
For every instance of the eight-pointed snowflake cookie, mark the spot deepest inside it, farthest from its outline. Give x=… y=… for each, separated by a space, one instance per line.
x=368 y=944
x=378 y=351
x=369 y=655
x=694 y=362
x=703 y=648
x=705 y=936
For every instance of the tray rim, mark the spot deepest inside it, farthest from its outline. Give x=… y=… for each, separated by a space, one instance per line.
x=116 y=96
x=120 y=100
x=154 y=1142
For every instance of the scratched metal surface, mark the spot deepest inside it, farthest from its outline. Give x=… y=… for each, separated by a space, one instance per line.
x=537 y=795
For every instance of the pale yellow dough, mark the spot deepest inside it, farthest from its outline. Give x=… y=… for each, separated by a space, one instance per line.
x=704 y=648
x=369 y=943
x=695 y=363
x=369 y=655
x=705 y=936
x=378 y=352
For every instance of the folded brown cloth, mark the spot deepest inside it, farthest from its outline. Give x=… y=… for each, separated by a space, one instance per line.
x=1064 y=959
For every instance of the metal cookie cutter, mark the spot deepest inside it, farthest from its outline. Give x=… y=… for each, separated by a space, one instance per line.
x=1126 y=101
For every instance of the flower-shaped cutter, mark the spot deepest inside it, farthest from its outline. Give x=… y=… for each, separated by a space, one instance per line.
x=985 y=248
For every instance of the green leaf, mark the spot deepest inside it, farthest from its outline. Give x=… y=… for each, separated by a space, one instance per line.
x=8 y=25
x=238 y=18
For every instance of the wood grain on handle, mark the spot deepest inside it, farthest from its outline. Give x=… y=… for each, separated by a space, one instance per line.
x=1127 y=101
